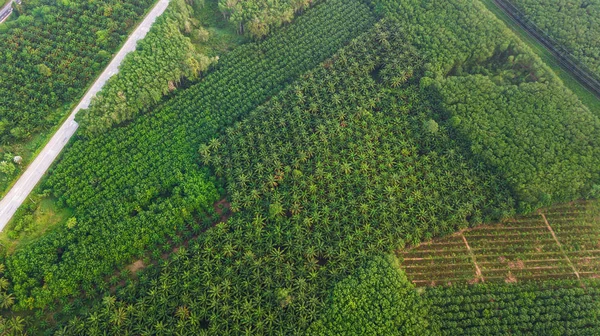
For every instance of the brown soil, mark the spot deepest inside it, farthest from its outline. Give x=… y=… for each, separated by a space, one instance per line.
x=473 y=281
x=136 y=266
x=222 y=209
x=510 y=278
x=519 y=264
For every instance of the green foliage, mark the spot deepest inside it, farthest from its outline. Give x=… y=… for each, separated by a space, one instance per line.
x=133 y=187
x=351 y=160
x=7 y=166
x=51 y=53
x=329 y=172
x=7 y=300
x=574 y=24
x=431 y=127
x=536 y=308
x=595 y=192
x=377 y=300
x=161 y=60
x=259 y=17
x=513 y=112
x=469 y=40
x=62 y=259
x=540 y=137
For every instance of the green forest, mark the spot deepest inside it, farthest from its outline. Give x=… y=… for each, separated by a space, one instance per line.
x=161 y=61
x=258 y=17
x=264 y=191
x=573 y=24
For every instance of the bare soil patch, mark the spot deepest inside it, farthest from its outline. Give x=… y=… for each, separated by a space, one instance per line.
x=136 y=266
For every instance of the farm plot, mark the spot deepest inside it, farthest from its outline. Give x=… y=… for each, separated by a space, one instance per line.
x=577 y=228
x=560 y=242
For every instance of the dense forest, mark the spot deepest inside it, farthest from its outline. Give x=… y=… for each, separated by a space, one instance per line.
x=556 y=307
x=141 y=184
x=533 y=133
x=512 y=111
x=258 y=17
x=377 y=300
x=160 y=62
x=574 y=24
x=262 y=198
x=174 y=50
x=49 y=55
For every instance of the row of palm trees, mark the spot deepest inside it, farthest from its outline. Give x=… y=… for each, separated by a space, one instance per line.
x=132 y=188
x=315 y=193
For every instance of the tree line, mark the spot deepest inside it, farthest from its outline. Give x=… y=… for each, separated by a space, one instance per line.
x=160 y=62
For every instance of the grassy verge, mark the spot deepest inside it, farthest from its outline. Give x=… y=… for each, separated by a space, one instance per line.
x=587 y=97
x=40 y=214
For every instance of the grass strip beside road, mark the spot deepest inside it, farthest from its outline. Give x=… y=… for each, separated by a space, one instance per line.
x=587 y=97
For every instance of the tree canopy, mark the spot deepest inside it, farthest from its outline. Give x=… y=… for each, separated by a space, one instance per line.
x=377 y=300
x=574 y=24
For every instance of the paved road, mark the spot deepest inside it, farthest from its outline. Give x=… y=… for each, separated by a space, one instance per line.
x=6 y=10
x=32 y=175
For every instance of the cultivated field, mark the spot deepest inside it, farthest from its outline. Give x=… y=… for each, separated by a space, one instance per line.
x=561 y=242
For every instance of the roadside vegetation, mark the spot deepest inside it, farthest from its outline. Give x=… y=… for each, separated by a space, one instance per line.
x=164 y=59
x=587 y=97
x=122 y=212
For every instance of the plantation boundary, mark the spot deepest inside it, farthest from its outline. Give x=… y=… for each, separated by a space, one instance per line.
x=559 y=242
x=564 y=57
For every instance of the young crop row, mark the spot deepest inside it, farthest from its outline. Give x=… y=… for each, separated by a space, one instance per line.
x=136 y=186
x=526 y=248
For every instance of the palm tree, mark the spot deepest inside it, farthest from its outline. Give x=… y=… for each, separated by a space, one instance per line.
x=6 y=300
x=17 y=325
